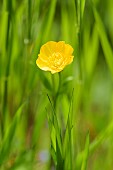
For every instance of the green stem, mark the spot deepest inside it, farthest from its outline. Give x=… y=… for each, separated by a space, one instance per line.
x=8 y=55
x=59 y=82
x=55 y=97
x=56 y=94
x=29 y=19
x=79 y=38
x=53 y=88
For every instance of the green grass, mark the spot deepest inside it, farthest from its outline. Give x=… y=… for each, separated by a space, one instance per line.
x=63 y=120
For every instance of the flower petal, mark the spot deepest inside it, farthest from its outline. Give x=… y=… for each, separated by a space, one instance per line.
x=51 y=45
x=54 y=56
x=69 y=60
x=48 y=48
x=42 y=65
x=68 y=50
x=60 y=46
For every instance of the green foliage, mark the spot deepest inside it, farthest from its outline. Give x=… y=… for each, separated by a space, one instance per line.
x=61 y=144
x=104 y=40
x=7 y=141
x=85 y=153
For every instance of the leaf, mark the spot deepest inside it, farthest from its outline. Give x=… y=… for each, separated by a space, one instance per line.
x=39 y=120
x=44 y=79
x=67 y=145
x=67 y=80
x=9 y=135
x=91 y=50
x=60 y=162
x=96 y=143
x=49 y=20
x=107 y=49
x=85 y=154
x=56 y=139
x=54 y=121
x=82 y=7
x=64 y=22
x=53 y=153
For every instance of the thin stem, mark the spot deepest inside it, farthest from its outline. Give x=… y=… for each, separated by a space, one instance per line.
x=55 y=97
x=59 y=82
x=7 y=53
x=56 y=94
x=79 y=38
x=29 y=19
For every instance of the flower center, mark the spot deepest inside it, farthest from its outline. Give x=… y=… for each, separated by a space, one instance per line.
x=57 y=59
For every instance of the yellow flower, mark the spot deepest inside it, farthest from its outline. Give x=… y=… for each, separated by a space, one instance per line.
x=54 y=56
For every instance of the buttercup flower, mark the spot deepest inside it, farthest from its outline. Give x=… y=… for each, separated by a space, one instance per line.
x=54 y=56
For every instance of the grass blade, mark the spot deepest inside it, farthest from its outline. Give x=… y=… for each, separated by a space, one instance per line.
x=82 y=7
x=85 y=154
x=96 y=143
x=107 y=49
x=9 y=135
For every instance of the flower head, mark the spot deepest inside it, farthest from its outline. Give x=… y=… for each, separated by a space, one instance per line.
x=54 y=56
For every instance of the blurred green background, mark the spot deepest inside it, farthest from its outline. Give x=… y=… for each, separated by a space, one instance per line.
x=25 y=25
